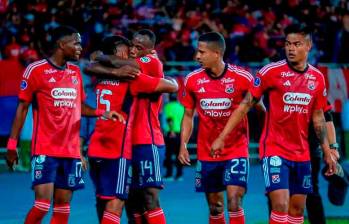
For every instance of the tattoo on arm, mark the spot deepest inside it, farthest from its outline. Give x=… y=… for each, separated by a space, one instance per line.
x=249 y=100
x=320 y=130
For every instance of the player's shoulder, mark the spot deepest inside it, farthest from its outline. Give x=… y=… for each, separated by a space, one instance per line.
x=240 y=72
x=194 y=75
x=73 y=66
x=150 y=59
x=34 y=67
x=271 y=67
x=315 y=71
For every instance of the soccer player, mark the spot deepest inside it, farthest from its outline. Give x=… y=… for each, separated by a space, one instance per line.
x=54 y=88
x=296 y=94
x=110 y=148
x=148 y=143
x=214 y=91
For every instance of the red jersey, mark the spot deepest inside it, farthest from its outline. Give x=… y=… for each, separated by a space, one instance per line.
x=293 y=96
x=214 y=100
x=145 y=112
x=111 y=139
x=56 y=94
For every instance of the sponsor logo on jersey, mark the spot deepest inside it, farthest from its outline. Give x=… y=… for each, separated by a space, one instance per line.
x=202 y=81
x=257 y=82
x=145 y=59
x=309 y=76
x=70 y=72
x=24 y=85
x=287 y=74
x=287 y=83
x=275 y=161
x=109 y=82
x=227 y=80
x=229 y=88
x=64 y=93
x=50 y=71
x=297 y=98
x=311 y=85
x=215 y=103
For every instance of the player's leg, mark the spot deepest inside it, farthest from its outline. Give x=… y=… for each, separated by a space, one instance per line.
x=276 y=178
x=315 y=208
x=43 y=176
x=215 y=203
x=147 y=160
x=300 y=186
x=135 y=207
x=68 y=179
x=208 y=179
x=235 y=178
x=115 y=191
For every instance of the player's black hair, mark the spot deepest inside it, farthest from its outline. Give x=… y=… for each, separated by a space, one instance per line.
x=110 y=43
x=215 y=40
x=150 y=34
x=302 y=29
x=61 y=32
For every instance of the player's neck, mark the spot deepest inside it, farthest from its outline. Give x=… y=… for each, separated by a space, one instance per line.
x=218 y=70
x=298 y=67
x=57 y=60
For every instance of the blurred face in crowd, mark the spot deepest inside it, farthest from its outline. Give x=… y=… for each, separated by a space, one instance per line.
x=297 y=47
x=346 y=22
x=140 y=47
x=206 y=55
x=71 y=46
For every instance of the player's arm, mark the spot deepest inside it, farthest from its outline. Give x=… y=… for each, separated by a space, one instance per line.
x=321 y=132
x=233 y=121
x=88 y=111
x=186 y=131
x=102 y=71
x=167 y=85
x=331 y=134
x=112 y=60
x=21 y=114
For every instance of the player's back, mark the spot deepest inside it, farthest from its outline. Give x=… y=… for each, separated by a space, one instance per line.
x=145 y=123
x=292 y=97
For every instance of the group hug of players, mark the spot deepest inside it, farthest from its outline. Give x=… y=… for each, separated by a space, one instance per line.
x=126 y=149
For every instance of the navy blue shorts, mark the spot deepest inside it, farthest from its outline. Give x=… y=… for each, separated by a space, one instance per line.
x=280 y=173
x=213 y=177
x=111 y=177
x=65 y=173
x=147 y=162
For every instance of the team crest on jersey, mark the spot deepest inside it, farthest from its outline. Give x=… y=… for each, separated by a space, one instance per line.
x=257 y=82
x=71 y=180
x=40 y=159
x=74 y=80
x=311 y=85
x=38 y=174
x=229 y=88
x=275 y=178
x=307 y=181
x=24 y=85
x=145 y=59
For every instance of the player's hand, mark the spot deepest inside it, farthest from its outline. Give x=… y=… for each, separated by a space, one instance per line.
x=11 y=159
x=335 y=154
x=84 y=163
x=183 y=155
x=126 y=71
x=115 y=116
x=331 y=162
x=217 y=147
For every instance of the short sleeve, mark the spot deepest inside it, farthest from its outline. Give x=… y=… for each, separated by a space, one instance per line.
x=321 y=96
x=151 y=66
x=29 y=84
x=260 y=85
x=187 y=99
x=144 y=84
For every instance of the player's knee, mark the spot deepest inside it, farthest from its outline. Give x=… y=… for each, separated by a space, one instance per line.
x=216 y=208
x=281 y=206
x=114 y=206
x=151 y=199
x=234 y=202
x=296 y=210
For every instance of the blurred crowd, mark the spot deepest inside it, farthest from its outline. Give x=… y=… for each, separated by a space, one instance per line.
x=253 y=29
